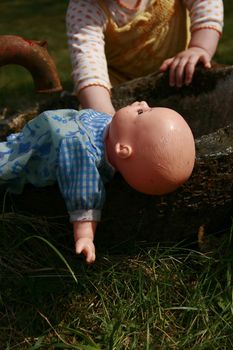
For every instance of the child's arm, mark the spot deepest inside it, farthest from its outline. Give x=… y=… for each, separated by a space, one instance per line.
x=201 y=49
x=84 y=232
x=85 y=22
x=97 y=98
x=206 y=28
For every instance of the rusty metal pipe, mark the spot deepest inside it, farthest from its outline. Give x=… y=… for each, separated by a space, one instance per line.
x=33 y=56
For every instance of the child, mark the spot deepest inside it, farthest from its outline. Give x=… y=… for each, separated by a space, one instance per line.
x=113 y=41
x=153 y=149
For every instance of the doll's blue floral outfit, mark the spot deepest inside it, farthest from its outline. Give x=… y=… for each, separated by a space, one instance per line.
x=65 y=146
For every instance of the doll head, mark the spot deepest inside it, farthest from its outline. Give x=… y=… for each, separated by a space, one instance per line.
x=153 y=148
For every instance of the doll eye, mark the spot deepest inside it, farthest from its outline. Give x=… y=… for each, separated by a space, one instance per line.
x=140 y=111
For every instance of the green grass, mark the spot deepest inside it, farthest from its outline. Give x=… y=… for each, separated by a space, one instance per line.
x=155 y=298
x=224 y=52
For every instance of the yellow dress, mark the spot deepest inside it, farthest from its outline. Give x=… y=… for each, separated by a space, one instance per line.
x=140 y=46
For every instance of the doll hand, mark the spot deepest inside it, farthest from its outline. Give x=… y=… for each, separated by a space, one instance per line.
x=182 y=65
x=86 y=246
x=84 y=232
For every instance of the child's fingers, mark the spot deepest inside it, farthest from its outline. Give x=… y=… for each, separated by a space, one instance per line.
x=172 y=71
x=166 y=64
x=179 y=72
x=190 y=68
x=207 y=65
x=189 y=71
x=205 y=61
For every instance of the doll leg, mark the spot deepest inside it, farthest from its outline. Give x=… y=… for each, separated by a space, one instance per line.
x=31 y=155
x=12 y=157
x=22 y=154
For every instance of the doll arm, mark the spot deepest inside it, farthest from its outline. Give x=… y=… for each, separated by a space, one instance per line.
x=206 y=27
x=84 y=232
x=82 y=189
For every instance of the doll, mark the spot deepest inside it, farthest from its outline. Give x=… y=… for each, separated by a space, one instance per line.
x=153 y=149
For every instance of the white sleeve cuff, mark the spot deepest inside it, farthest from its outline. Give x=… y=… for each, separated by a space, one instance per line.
x=85 y=215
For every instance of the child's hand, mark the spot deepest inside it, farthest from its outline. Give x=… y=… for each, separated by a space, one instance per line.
x=86 y=246
x=182 y=65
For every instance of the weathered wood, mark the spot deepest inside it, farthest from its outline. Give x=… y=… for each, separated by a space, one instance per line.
x=206 y=198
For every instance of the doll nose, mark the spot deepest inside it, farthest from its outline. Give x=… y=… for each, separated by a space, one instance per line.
x=142 y=104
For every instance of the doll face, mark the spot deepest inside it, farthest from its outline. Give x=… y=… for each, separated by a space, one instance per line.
x=132 y=112
x=129 y=120
x=153 y=148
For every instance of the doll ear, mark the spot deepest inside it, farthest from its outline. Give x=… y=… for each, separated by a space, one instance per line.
x=123 y=151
